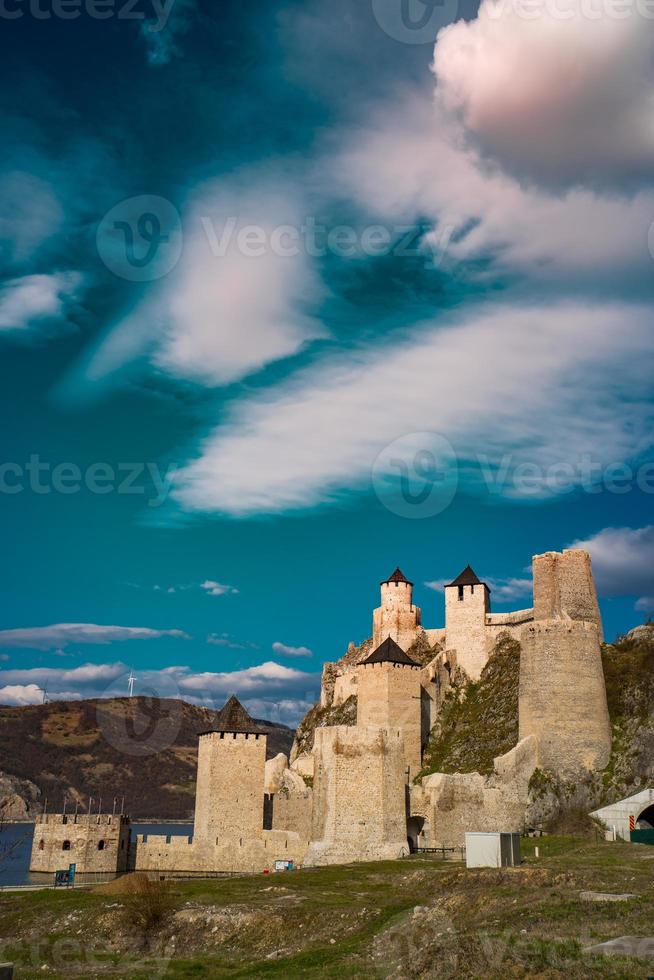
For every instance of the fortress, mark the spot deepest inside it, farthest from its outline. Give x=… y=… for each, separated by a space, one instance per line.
x=357 y=793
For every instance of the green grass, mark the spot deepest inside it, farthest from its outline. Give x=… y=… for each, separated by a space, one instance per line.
x=403 y=918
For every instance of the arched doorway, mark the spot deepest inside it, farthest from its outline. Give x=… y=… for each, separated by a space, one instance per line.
x=645 y=820
x=414 y=827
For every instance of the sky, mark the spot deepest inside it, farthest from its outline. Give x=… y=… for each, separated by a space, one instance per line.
x=293 y=295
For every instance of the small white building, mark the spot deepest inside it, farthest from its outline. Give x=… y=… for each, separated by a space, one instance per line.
x=634 y=813
x=493 y=850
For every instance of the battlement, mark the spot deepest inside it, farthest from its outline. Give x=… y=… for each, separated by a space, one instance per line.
x=82 y=820
x=564 y=587
x=95 y=842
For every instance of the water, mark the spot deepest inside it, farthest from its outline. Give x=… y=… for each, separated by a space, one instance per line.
x=16 y=847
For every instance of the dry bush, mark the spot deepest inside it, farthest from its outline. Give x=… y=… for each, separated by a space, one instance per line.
x=147 y=902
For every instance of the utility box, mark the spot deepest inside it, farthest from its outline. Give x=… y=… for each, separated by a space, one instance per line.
x=496 y=850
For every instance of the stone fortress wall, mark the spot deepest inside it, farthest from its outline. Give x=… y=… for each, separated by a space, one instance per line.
x=359 y=811
x=358 y=795
x=95 y=843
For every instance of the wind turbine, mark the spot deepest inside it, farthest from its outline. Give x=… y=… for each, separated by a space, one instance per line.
x=130 y=684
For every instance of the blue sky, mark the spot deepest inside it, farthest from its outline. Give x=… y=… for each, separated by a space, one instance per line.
x=293 y=296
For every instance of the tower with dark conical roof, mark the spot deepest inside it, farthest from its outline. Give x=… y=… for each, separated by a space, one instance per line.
x=467 y=603
x=230 y=778
x=388 y=697
x=396 y=617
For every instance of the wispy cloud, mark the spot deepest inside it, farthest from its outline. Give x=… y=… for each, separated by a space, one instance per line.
x=162 y=37
x=623 y=562
x=225 y=640
x=287 y=651
x=60 y=635
x=34 y=302
x=536 y=371
x=218 y=588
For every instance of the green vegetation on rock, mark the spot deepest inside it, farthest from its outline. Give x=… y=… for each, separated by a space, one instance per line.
x=317 y=717
x=478 y=720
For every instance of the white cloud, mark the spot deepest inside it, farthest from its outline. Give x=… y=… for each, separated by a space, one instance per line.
x=623 y=561
x=645 y=604
x=224 y=312
x=35 y=301
x=510 y=589
x=62 y=634
x=509 y=379
x=286 y=711
x=269 y=682
x=266 y=677
x=21 y=694
x=551 y=91
x=286 y=651
x=217 y=588
x=410 y=161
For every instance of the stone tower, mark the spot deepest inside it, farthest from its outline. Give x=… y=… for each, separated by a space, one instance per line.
x=230 y=778
x=467 y=601
x=562 y=690
x=564 y=587
x=359 y=811
x=389 y=696
x=397 y=617
x=563 y=696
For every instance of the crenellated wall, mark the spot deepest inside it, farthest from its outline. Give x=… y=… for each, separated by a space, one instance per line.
x=564 y=587
x=396 y=617
x=94 y=843
x=230 y=780
x=466 y=607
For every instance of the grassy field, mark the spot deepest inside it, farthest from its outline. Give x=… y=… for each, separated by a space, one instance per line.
x=420 y=917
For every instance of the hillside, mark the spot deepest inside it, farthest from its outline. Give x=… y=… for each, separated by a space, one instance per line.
x=142 y=748
x=416 y=919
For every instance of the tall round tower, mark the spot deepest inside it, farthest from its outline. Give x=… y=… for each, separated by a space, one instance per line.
x=397 y=617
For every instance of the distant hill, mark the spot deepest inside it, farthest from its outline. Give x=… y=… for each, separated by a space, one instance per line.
x=144 y=749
